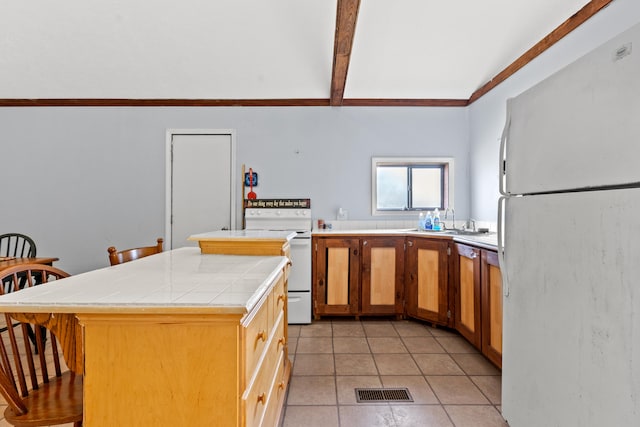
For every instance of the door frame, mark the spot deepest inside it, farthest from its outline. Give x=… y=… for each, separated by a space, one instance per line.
x=169 y=167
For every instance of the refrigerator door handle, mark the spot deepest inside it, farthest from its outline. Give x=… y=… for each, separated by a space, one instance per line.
x=502 y=201
x=503 y=152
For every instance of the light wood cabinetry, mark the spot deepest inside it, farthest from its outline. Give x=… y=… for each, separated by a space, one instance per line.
x=354 y=276
x=191 y=366
x=336 y=276
x=466 y=273
x=491 y=290
x=478 y=299
x=425 y=277
x=427 y=280
x=266 y=360
x=382 y=275
x=244 y=242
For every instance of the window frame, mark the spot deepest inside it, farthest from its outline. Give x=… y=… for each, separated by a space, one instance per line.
x=447 y=185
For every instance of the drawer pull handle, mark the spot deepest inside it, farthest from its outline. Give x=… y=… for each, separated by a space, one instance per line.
x=282 y=340
x=281 y=298
x=262 y=336
x=281 y=385
x=262 y=398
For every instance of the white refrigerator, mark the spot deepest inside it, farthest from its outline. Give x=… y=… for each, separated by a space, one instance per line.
x=569 y=237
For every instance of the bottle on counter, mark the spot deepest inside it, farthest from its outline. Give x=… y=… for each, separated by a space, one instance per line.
x=436 y=220
x=428 y=222
x=421 y=221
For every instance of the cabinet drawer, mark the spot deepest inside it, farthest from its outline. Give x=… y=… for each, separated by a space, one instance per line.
x=279 y=299
x=256 y=398
x=278 y=390
x=256 y=334
x=279 y=340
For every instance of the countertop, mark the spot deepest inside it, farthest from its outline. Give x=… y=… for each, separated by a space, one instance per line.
x=487 y=241
x=245 y=234
x=177 y=281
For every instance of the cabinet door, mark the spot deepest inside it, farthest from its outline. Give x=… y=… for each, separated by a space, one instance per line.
x=382 y=275
x=491 y=307
x=336 y=284
x=467 y=293
x=427 y=285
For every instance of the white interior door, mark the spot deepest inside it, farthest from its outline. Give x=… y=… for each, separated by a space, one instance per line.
x=200 y=184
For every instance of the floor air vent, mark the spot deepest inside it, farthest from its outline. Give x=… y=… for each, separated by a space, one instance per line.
x=383 y=395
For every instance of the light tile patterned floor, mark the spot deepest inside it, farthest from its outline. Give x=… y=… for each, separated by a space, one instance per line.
x=450 y=382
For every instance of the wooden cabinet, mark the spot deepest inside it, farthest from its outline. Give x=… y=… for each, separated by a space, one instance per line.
x=478 y=299
x=382 y=275
x=265 y=367
x=427 y=280
x=336 y=276
x=244 y=242
x=467 y=293
x=203 y=368
x=354 y=276
x=491 y=291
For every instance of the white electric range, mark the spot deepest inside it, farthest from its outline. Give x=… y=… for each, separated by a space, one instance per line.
x=298 y=220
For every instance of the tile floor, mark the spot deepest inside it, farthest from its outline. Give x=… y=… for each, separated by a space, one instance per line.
x=450 y=382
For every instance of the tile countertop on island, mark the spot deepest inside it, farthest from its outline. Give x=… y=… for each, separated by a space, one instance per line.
x=245 y=234
x=484 y=240
x=177 y=281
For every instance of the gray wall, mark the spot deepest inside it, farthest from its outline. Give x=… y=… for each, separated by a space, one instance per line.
x=81 y=179
x=487 y=115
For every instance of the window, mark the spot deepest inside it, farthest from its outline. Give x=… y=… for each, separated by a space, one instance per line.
x=411 y=184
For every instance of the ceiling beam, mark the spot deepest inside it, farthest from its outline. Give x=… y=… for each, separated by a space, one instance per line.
x=386 y=102
x=577 y=19
x=347 y=14
x=346 y=18
x=128 y=102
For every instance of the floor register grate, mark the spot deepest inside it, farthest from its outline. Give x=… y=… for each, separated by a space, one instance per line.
x=383 y=395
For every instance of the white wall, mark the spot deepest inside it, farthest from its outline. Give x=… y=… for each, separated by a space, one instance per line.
x=487 y=115
x=81 y=179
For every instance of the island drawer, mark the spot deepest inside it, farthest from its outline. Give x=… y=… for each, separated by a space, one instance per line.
x=256 y=334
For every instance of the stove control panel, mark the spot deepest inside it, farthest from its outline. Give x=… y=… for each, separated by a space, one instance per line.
x=277 y=219
x=278 y=213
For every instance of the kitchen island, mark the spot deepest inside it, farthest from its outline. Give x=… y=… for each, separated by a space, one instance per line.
x=177 y=338
x=245 y=242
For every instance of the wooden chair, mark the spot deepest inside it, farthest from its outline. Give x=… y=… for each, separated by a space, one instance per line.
x=17 y=245
x=34 y=396
x=127 y=255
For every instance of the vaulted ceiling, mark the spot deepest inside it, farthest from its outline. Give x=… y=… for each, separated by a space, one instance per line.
x=272 y=52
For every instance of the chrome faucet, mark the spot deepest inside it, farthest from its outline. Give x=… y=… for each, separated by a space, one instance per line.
x=469 y=224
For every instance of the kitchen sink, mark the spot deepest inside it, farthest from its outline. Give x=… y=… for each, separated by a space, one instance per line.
x=458 y=232
x=454 y=232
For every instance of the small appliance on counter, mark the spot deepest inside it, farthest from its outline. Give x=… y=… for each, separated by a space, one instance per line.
x=289 y=215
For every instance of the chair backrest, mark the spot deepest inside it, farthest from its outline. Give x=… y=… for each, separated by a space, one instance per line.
x=17 y=245
x=30 y=361
x=118 y=257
